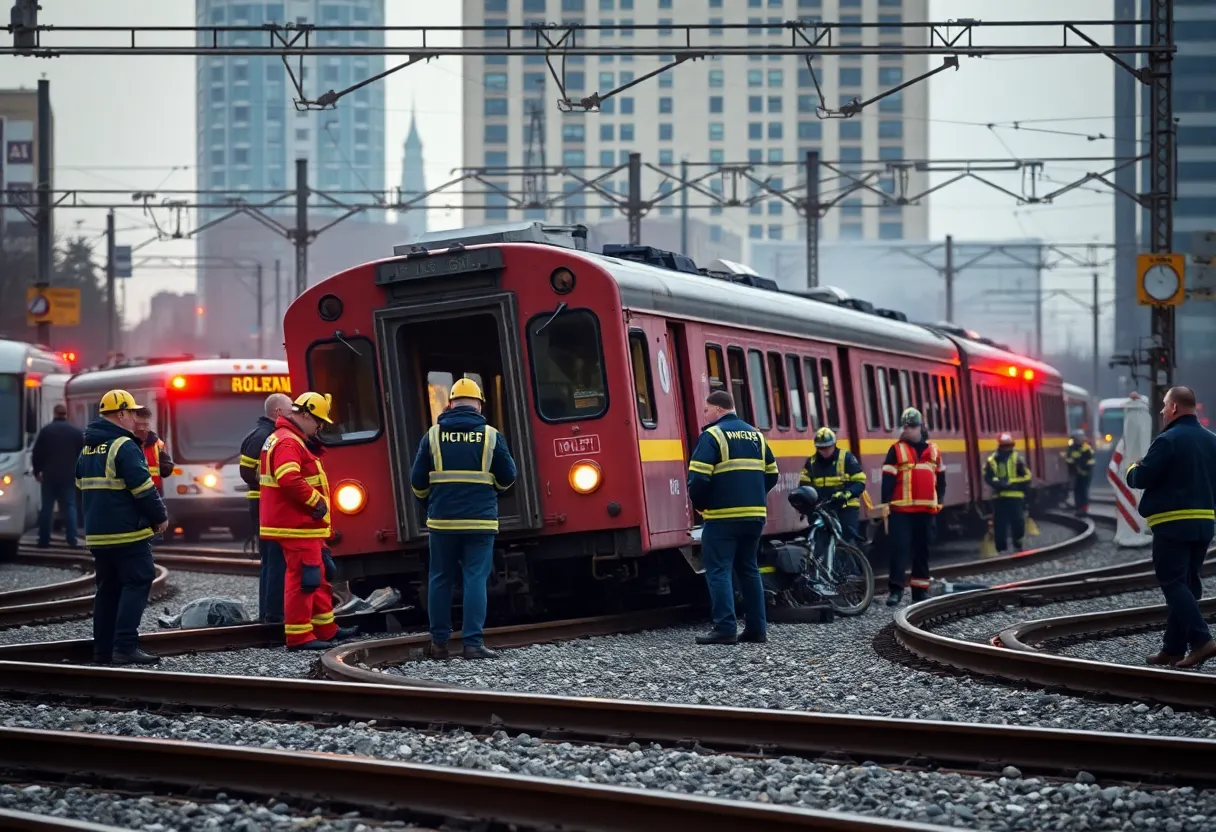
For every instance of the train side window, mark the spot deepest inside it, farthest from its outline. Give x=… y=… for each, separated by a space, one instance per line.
x=935 y=387
x=738 y=383
x=952 y=403
x=643 y=383
x=831 y=405
x=884 y=400
x=919 y=403
x=780 y=394
x=814 y=405
x=906 y=390
x=989 y=410
x=870 y=394
x=347 y=370
x=927 y=398
x=759 y=389
x=897 y=403
x=794 y=374
x=715 y=367
x=981 y=406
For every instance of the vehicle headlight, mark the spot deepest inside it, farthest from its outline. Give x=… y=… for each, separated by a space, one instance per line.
x=350 y=497
x=585 y=476
x=7 y=479
x=210 y=480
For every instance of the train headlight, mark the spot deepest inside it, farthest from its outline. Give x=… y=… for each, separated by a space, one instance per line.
x=7 y=479
x=1108 y=437
x=350 y=497
x=210 y=480
x=585 y=476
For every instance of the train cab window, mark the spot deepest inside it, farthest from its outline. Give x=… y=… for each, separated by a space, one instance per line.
x=794 y=374
x=643 y=383
x=884 y=399
x=780 y=394
x=814 y=405
x=831 y=409
x=759 y=391
x=715 y=367
x=738 y=383
x=346 y=369
x=568 y=367
x=10 y=410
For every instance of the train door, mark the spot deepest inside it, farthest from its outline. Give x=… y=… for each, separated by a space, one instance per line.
x=1036 y=427
x=656 y=357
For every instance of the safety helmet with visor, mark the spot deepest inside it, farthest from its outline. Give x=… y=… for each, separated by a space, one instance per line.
x=315 y=405
x=824 y=438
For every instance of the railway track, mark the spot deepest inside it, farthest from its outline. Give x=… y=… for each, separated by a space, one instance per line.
x=12 y=821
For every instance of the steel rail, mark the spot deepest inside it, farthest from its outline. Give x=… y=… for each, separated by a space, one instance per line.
x=1026 y=634
x=42 y=612
x=405 y=788
x=1085 y=535
x=185 y=563
x=169 y=548
x=14 y=821
x=72 y=587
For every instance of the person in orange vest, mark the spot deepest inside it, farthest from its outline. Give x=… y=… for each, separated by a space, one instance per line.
x=913 y=486
x=293 y=509
x=160 y=464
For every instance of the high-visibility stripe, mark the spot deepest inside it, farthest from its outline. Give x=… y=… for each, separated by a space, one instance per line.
x=253 y=495
x=323 y=618
x=472 y=477
x=248 y=462
x=697 y=467
x=1180 y=514
x=147 y=485
x=735 y=513
x=112 y=456
x=117 y=539
x=420 y=493
x=101 y=484
x=285 y=468
x=297 y=629
x=294 y=534
x=440 y=525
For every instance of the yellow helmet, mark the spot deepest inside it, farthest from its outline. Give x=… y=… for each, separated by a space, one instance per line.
x=466 y=388
x=824 y=438
x=314 y=404
x=118 y=400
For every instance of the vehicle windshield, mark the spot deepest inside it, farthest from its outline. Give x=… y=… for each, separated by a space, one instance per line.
x=210 y=430
x=1111 y=423
x=10 y=413
x=1077 y=418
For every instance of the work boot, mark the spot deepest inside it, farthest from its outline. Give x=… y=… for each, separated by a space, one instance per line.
x=1163 y=658
x=894 y=597
x=478 y=651
x=752 y=638
x=919 y=595
x=439 y=652
x=315 y=644
x=136 y=656
x=344 y=633
x=716 y=637
x=1198 y=656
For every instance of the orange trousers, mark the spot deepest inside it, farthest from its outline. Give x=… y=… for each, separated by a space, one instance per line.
x=307 y=616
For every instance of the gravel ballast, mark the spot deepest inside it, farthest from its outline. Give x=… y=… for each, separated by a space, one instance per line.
x=1000 y=803
x=14 y=576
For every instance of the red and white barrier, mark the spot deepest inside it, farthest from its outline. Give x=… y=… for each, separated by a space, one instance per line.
x=1130 y=530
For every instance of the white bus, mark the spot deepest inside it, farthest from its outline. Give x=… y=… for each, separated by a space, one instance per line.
x=25 y=406
x=202 y=409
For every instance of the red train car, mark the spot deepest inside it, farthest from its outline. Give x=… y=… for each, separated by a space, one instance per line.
x=595 y=368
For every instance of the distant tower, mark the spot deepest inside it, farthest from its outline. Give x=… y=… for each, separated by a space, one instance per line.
x=413 y=179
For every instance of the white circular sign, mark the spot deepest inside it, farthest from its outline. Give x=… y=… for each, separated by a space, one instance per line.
x=664 y=372
x=39 y=305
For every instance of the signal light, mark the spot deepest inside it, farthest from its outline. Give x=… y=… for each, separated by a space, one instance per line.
x=198 y=310
x=178 y=383
x=585 y=476
x=1013 y=372
x=1028 y=375
x=350 y=497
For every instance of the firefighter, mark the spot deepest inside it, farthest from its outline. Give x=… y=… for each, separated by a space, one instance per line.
x=160 y=464
x=1008 y=477
x=1080 y=459
x=836 y=474
x=293 y=509
x=270 y=580
x=729 y=476
x=461 y=467
x=913 y=486
x=122 y=512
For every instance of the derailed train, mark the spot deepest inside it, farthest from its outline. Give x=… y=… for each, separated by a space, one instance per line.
x=595 y=368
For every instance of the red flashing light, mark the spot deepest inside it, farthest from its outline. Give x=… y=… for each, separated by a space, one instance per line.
x=198 y=310
x=1028 y=375
x=69 y=357
x=178 y=383
x=1013 y=372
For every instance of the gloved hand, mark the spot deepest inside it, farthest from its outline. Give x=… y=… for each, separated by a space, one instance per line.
x=310 y=578
x=327 y=559
x=319 y=510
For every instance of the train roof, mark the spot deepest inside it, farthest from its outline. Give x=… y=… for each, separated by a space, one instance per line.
x=21 y=357
x=154 y=375
x=1075 y=391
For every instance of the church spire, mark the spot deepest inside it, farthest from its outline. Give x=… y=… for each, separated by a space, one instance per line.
x=413 y=178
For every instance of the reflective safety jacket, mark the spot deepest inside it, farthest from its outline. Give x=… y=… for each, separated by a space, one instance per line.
x=1008 y=475
x=1178 y=475
x=839 y=475
x=292 y=483
x=913 y=477
x=160 y=464
x=121 y=505
x=461 y=467
x=251 y=452
x=1080 y=458
x=731 y=471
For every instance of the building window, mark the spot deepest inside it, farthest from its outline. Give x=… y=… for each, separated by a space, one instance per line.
x=850 y=76
x=665 y=132
x=716 y=131
x=755 y=155
x=496 y=158
x=891 y=154
x=775 y=103
x=534 y=5
x=755 y=130
x=626 y=132
x=774 y=232
x=572 y=5
x=574 y=132
x=626 y=102
x=890 y=76
x=775 y=207
x=495 y=107
x=890 y=231
x=607 y=133
x=240 y=113
x=755 y=77
x=607 y=159
x=494 y=134
x=807 y=103
x=851 y=208
x=810 y=130
x=755 y=104
x=573 y=158
x=665 y=78
x=715 y=78
x=665 y=104
x=666 y=157
x=776 y=155
x=774 y=130
x=715 y=103
x=888 y=129
x=850 y=231
x=776 y=77
x=890 y=24
x=850 y=131
x=576 y=81
x=850 y=155
x=892 y=103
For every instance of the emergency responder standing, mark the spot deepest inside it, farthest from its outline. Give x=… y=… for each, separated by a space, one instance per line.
x=729 y=476
x=1080 y=459
x=836 y=475
x=1178 y=475
x=270 y=580
x=913 y=486
x=160 y=464
x=53 y=459
x=293 y=507
x=1008 y=477
x=461 y=467
x=122 y=511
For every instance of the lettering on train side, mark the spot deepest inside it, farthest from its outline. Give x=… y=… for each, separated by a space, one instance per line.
x=255 y=384
x=577 y=445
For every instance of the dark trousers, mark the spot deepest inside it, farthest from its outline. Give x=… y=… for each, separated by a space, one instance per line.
x=1008 y=520
x=1177 y=564
x=459 y=556
x=909 y=535
x=1080 y=493
x=65 y=495
x=728 y=550
x=270 y=581
x=124 y=578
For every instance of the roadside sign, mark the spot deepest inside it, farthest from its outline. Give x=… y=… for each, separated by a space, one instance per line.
x=122 y=261
x=57 y=307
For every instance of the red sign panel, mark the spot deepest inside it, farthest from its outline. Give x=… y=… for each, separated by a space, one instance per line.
x=577 y=445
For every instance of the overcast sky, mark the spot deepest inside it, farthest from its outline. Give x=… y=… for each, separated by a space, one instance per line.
x=115 y=115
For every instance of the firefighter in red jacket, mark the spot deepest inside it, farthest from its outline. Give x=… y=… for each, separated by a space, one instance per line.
x=913 y=486
x=294 y=510
x=160 y=464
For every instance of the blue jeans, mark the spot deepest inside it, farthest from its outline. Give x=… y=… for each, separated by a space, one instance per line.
x=270 y=582
x=728 y=548
x=455 y=555
x=1178 y=564
x=124 y=578
x=65 y=495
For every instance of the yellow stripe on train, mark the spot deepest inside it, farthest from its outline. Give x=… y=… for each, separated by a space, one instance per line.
x=673 y=450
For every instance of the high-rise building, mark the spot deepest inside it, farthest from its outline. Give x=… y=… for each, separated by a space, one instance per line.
x=413 y=181
x=758 y=110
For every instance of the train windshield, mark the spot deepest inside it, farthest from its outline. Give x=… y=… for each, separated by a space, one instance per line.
x=1078 y=417
x=10 y=413
x=209 y=430
x=568 y=366
x=1110 y=423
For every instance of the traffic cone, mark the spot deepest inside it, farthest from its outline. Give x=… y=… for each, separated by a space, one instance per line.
x=988 y=544
x=1032 y=528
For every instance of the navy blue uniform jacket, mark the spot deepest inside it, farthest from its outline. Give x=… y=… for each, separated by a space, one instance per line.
x=55 y=452
x=731 y=471
x=121 y=505
x=251 y=451
x=1178 y=475
x=840 y=475
x=461 y=467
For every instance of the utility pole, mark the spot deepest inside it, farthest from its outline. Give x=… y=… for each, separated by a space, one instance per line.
x=278 y=302
x=111 y=288
x=948 y=274
x=684 y=209
x=812 y=218
x=1094 y=389
x=44 y=229
x=1161 y=188
x=261 y=326
x=300 y=232
x=1038 y=307
x=633 y=208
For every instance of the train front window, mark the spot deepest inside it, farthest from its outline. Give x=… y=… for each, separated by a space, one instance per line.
x=209 y=430
x=346 y=370
x=1078 y=417
x=10 y=413
x=1110 y=424
x=568 y=366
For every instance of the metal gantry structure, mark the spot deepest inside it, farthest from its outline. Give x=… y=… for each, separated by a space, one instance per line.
x=673 y=44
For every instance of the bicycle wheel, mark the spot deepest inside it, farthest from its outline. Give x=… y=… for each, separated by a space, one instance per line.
x=853 y=580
